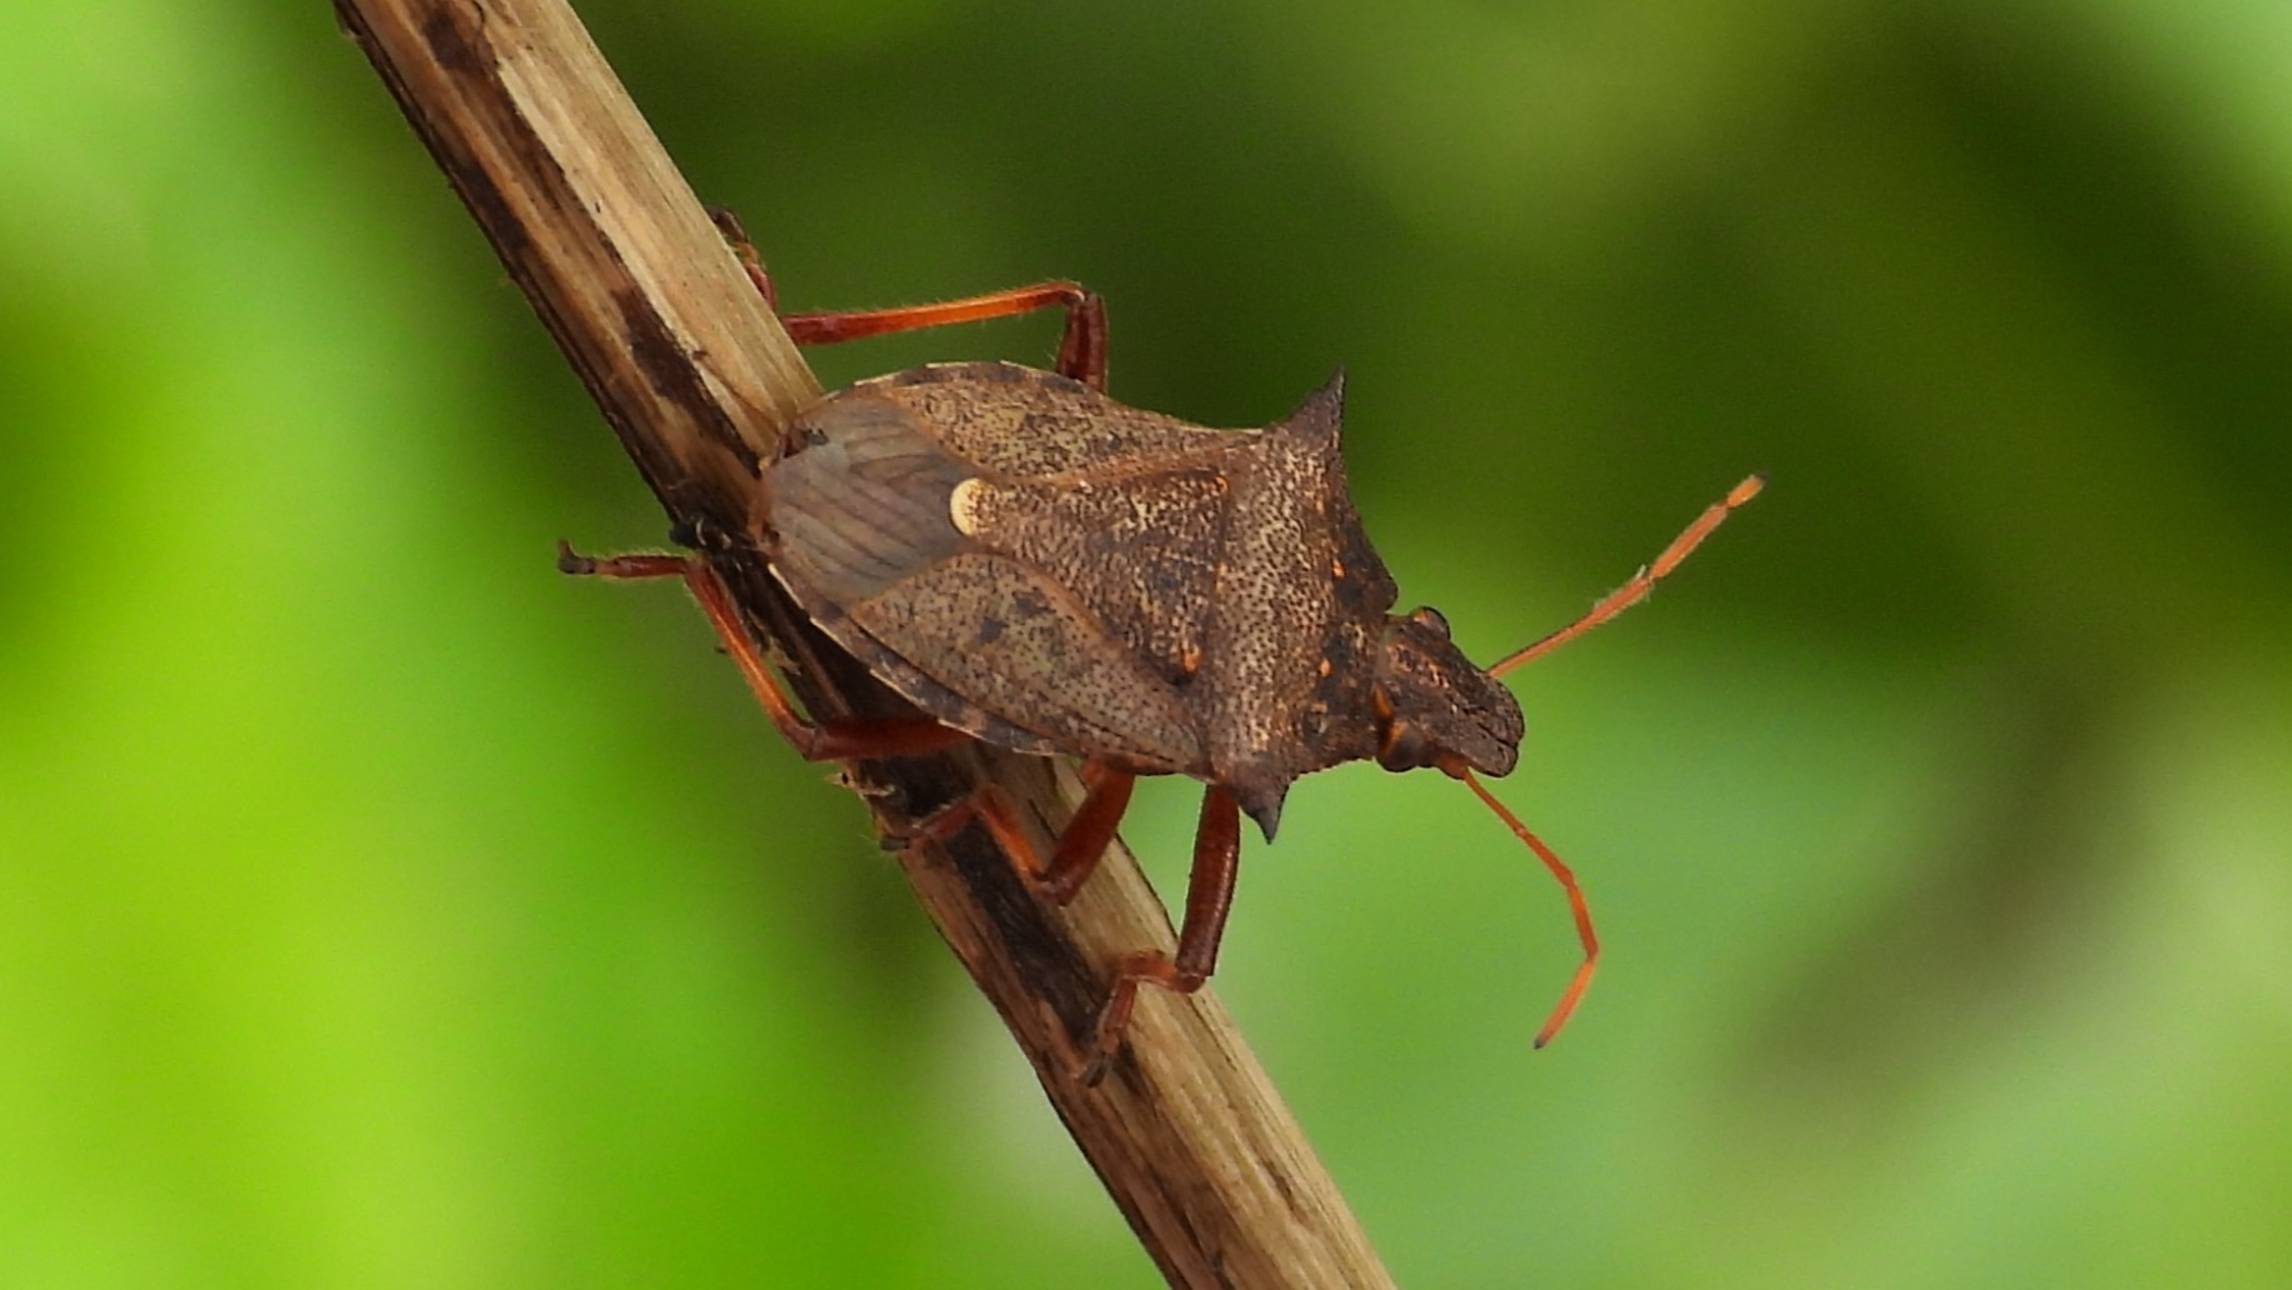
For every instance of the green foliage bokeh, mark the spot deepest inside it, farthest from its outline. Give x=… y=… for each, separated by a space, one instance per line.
x=378 y=908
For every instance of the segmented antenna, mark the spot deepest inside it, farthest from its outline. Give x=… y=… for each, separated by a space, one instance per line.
x=1632 y=592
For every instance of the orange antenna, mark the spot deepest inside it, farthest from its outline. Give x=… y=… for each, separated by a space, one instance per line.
x=1576 y=905
x=1632 y=592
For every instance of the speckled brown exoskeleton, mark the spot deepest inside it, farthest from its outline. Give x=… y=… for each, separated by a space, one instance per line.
x=1035 y=565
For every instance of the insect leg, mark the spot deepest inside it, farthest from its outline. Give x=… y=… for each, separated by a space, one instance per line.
x=1079 y=848
x=988 y=806
x=1209 y=895
x=1084 y=842
x=744 y=251
x=1081 y=346
x=837 y=739
x=1081 y=349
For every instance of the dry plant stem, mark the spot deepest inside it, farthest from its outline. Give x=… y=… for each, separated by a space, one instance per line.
x=656 y=315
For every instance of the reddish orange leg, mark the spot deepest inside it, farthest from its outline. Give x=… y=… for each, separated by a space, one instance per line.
x=991 y=809
x=1081 y=347
x=743 y=250
x=1209 y=895
x=833 y=740
x=1632 y=592
x=1080 y=846
x=1089 y=833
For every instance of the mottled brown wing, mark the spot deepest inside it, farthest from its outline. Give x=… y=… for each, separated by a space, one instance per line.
x=864 y=533
x=1121 y=508
x=1138 y=555
x=1010 y=640
x=845 y=524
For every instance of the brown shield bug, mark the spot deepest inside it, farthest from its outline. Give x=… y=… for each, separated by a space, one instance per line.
x=1035 y=565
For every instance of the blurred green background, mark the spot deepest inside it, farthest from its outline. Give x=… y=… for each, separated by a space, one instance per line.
x=378 y=908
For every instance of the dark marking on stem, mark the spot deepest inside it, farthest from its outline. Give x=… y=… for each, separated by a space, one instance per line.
x=668 y=369
x=456 y=50
x=1279 y=1177
x=1039 y=954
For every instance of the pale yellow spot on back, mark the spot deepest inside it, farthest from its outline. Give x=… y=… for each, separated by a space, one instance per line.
x=963 y=505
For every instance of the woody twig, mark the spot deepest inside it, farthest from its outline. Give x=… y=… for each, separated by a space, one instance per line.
x=605 y=238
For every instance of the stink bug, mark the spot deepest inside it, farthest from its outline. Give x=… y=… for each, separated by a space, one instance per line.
x=1035 y=565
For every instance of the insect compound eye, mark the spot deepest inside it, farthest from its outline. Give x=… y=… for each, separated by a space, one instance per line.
x=1427 y=616
x=1403 y=748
